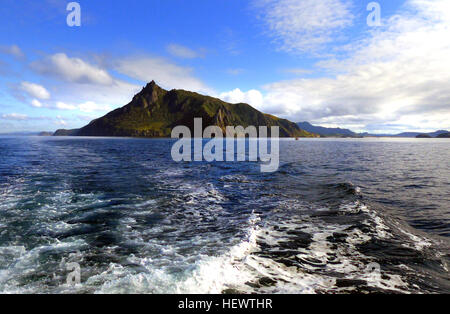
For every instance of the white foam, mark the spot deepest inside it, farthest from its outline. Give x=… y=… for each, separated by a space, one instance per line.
x=214 y=274
x=419 y=242
x=347 y=260
x=208 y=274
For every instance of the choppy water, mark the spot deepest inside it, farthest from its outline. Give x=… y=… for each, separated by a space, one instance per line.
x=137 y=222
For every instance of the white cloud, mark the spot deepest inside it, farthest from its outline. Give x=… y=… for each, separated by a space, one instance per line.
x=167 y=74
x=82 y=82
x=91 y=106
x=73 y=70
x=36 y=103
x=118 y=94
x=35 y=90
x=399 y=75
x=307 y=25
x=14 y=116
x=13 y=50
x=63 y=106
x=183 y=52
x=88 y=107
x=252 y=97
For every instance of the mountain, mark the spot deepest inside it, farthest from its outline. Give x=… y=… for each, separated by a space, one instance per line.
x=408 y=134
x=326 y=131
x=154 y=112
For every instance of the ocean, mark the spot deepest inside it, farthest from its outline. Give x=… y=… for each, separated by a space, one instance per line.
x=339 y=216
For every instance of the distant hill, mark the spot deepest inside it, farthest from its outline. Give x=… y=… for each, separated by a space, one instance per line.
x=154 y=112
x=444 y=135
x=338 y=132
x=408 y=134
x=414 y=134
x=18 y=134
x=423 y=136
x=27 y=134
x=63 y=132
x=323 y=131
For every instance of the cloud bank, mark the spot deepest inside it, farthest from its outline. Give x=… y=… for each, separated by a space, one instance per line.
x=88 y=87
x=73 y=70
x=306 y=25
x=399 y=75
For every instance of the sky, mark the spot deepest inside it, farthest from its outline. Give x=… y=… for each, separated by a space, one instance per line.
x=304 y=60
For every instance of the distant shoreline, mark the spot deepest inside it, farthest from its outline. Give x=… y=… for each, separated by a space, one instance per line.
x=169 y=138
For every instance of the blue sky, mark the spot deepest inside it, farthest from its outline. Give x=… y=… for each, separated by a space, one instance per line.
x=314 y=60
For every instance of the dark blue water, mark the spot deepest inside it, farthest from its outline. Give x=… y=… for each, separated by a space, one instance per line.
x=338 y=216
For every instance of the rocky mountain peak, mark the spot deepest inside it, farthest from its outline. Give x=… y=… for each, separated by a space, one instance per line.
x=149 y=94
